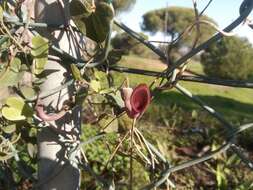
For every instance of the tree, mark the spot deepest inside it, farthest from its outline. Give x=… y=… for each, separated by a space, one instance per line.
x=229 y=58
x=123 y=5
x=125 y=44
x=67 y=72
x=178 y=19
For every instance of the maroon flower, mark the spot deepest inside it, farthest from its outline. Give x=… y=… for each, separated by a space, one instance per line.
x=136 y=100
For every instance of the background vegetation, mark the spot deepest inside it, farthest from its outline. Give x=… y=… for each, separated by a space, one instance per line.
x=173 y=123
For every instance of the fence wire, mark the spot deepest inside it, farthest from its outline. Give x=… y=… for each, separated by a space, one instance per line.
x=232 y=131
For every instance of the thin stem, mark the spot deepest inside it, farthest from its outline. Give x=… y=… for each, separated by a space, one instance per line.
x=240 y=19
x=199 y=78
x=190 y=163
x=131 y=154
x=220 y=118
x=117 y=148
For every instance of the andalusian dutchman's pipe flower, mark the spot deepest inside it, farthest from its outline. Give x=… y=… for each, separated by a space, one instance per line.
x=136 y=100
x=47 y=117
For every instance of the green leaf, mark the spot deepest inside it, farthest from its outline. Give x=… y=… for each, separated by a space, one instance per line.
x=6 y=156
x=16 y=109
x=107 y=90
x=194 y=114
x=110 y=123
x=8 y=78
x=11 y=75
x=32 y=150
x=98 y=27
x=39 y=46
x=9 y=129
x=117 y=98
x=12 y=114
x=40 y=52
x=39 y=65
x=76 y=72
x=95 y=25
x=1 y=14
x=80 y=9
x=27 y=92
x=15 y=65
x=95 y=85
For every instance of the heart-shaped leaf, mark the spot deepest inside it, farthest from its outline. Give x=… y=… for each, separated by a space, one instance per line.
x=109 y=123
x=95 y=85
x=9 y=129
x=76 y=72
x=39 y=46
x=99 y=23
x=15 y=65
x=8 y=78
x=32 y=150
x=40 y=52
x=80 y=9
x=28 y=92
x=95 y=25
x=39 y=64
x=16 y=109
x=117 y=98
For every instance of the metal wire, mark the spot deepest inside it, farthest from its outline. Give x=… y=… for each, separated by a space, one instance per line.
x=232 y=131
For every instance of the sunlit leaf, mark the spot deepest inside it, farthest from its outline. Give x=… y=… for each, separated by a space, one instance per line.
x=117 y=98
x=39 y=46
x=40 y=52
x=16 y=109
x=15 y=65
x=8 y=78
x=106 y=90
x=95 y=25
x=98 y=28
x=110 y=123
x=6 y=156
x=1 y=14
x=100 y=75
x=95 y=85
x=28 y=92
x=39 y=64
x=76 y=72
x=31 y=149
x=9 y=129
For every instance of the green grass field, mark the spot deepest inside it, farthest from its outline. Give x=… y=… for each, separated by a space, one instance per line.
x=232 y=102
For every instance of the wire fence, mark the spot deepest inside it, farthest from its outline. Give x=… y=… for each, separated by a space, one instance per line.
x=170 y=77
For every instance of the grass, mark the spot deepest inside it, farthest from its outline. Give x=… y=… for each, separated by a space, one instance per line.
x=173 y=123
x=235 y=103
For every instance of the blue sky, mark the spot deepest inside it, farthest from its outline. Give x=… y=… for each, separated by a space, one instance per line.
x=222 y=11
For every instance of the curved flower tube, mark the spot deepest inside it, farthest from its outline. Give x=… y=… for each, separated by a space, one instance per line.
x=47 y=117
x=136 y=100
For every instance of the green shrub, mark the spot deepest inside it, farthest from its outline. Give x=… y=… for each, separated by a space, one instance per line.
x=229 y=58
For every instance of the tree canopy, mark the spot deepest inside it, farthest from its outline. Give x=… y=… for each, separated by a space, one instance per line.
x=125 y=44
x=229 y=58
x=178 y=19
x=122 y=5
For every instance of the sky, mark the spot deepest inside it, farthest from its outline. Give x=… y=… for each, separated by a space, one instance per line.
x=222 y=11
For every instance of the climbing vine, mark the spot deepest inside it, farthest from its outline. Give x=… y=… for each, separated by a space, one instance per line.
x=24 y=53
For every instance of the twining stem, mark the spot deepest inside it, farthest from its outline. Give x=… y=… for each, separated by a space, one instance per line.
x=140 y=152
x=113 y=119
x=148 y=148
x=131 y=154
x=10 y=36
x=116 y=149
